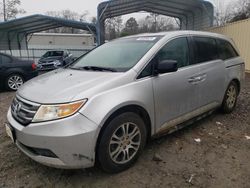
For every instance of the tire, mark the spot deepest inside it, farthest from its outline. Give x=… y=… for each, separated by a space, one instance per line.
x=121 y=153
x=230 y=98
x=14 y=81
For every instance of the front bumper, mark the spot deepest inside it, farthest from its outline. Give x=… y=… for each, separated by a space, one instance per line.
x=72 y=141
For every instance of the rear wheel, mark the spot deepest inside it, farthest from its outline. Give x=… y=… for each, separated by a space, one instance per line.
x=14 y=81
x=121 y=142
x=230 y=98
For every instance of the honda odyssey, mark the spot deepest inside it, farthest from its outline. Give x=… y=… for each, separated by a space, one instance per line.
x=108 y=103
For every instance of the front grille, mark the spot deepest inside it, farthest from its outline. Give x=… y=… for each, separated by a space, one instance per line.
x=23 y=111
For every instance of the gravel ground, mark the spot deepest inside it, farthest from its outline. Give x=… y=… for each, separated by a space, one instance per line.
x=221 y=159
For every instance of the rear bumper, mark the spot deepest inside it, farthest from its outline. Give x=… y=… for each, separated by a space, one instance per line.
x=71 y=141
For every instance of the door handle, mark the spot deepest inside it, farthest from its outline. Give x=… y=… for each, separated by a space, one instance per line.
x=197 y=79
x=193 y=80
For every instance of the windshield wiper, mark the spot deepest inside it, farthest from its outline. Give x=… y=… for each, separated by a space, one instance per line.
x=95 y=68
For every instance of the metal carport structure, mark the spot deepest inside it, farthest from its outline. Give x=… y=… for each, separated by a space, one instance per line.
x=13 y=34
x=193 y=14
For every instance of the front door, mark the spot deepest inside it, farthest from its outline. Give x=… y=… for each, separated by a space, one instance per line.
x=175 y=94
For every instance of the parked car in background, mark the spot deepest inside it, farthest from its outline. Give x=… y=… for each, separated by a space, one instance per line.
x=14 y=72
x=55 y=59
x=105 y=105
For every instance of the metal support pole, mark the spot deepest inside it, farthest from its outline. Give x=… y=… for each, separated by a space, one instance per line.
x=4 y=11
x=101 y=26
x=93 y=33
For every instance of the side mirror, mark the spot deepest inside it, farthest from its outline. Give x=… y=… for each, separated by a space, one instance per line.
x=166 y=66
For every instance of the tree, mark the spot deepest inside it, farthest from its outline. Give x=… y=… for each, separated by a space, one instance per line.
x=69 y=15
x=157 y=23
x=11 y=9
x=234 y=11
x=131 y=26
x=153 y=19
x=113 y=27
x=241 y=10
x=222 y=13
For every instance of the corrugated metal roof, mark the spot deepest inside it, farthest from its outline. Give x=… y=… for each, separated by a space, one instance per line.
x=193 y=14
x=13 y=33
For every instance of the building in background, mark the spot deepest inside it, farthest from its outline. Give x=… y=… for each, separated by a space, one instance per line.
x=239 y=32
x=40 y=43
x=60 y=41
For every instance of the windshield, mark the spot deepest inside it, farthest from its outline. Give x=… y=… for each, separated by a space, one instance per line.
x=53 y=54
x=119 y=55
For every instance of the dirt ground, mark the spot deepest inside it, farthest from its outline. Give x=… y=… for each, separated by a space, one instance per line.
x=221 y=159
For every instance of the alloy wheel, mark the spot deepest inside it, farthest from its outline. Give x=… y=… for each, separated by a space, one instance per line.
x=14 y=82
x=231 y=96
x=124 y=143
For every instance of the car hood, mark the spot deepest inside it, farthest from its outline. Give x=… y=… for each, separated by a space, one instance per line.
x=65 y=85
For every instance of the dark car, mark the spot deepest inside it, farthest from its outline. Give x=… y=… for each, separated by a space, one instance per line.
x=54 y=59
x=14 y=72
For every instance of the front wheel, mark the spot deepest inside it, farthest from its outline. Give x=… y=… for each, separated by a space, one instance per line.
x=230 y=98
x=121 y=142
x=14 y=81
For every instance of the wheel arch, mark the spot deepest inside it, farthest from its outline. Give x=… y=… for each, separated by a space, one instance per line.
x=236 y=80
x=137 y=109
x=15 y=72
x=5 y=83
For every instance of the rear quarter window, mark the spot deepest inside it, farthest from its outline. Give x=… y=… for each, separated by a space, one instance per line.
x=226 y=50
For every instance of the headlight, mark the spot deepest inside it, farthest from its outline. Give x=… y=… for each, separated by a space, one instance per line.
x=53 y=112
x=57 y=63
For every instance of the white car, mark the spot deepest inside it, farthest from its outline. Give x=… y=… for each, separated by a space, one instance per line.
x=109 y=102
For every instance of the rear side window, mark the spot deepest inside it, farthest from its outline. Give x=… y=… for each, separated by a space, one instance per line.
x=206 y=49
x=226 y=50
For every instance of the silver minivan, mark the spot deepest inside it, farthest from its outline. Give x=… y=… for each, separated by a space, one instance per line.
x=105 y=106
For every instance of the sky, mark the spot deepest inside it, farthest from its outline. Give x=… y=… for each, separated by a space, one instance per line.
x=42 y=6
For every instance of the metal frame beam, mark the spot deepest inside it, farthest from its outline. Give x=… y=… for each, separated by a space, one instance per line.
x=14 y=30
x=191 y=13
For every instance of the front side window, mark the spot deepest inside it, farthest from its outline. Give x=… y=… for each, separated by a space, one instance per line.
x=206 y=49
x=177 y=50
x=119 y=55
x=226 y=50
x=148 y=70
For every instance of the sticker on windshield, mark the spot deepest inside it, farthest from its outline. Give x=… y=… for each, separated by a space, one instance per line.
x=146 y=39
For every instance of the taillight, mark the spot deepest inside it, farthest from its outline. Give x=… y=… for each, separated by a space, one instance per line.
x=33 y=66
